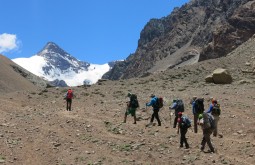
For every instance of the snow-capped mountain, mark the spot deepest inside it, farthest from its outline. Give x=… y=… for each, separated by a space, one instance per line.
x=54 y=64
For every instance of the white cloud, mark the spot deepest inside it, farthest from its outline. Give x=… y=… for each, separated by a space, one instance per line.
x=8 y=42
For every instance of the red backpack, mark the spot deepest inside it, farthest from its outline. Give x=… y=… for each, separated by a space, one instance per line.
x=69 y=94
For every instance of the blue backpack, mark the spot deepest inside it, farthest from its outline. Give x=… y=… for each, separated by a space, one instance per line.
x=186 y=122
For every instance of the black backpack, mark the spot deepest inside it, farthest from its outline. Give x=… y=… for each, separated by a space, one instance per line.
x=199 y=105
x=180 y=106
x=216 y=110
x=133 y=101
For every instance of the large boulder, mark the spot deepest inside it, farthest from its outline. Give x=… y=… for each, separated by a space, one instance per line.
x=219 y=76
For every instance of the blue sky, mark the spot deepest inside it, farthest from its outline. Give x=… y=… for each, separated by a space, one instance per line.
x=95 y=31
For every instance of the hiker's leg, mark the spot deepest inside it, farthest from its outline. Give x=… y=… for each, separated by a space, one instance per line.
x=208 y=139
x=134 y=119
x=195 y=122
x=215 y=131
x=152 y=116
x=157 y=117
x=70 y=105
x=203 y=142
x=184 y=138
x=125 y=118
x=175 y=121
x=67 y=104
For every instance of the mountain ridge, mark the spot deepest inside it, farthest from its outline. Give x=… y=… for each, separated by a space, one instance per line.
x=197 y=31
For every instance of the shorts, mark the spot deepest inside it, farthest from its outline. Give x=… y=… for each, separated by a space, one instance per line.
x=131 y=111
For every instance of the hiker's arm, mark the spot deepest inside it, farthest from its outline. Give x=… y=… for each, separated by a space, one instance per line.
x=151 y=103
x=210 y=109
x=173 y=106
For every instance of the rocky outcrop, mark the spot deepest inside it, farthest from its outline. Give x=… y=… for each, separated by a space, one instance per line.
x=219 y=76
x=200 y=29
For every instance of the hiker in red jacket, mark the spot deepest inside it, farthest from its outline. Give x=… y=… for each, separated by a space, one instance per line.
x=69 y=97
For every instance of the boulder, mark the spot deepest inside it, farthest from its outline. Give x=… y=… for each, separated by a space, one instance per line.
x=209 y=79
x=221 y=76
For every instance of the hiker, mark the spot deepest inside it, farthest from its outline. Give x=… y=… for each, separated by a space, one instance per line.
x=206 y=122
x=178 y=106
x=197 y=108
x=214 y=109
x=183 y=124
x=154 y=104
x=132 y=105
x=68 y=98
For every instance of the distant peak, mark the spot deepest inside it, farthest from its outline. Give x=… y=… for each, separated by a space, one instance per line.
x=52 y=47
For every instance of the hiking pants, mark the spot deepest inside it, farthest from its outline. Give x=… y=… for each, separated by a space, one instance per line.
x=206 y=139
x=216 y=120
x=68 y=104
x=183 y=138
x=195 y=122
x=155 y=114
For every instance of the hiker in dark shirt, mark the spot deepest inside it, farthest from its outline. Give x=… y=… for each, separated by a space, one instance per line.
x=183 y=128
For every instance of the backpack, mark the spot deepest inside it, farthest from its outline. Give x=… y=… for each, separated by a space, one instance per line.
x=133 y=101
x=160 y=102
x=199 y=105
x=180 y=106
x=69 y=94
x=209 y=122
x=216 y=110
x=186 y=122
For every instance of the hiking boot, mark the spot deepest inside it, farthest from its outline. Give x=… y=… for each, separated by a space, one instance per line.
x=134 y=123
x=159 y=124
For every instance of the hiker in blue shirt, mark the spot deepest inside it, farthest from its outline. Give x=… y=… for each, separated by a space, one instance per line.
x=194 y=112
x=177 y=109
x=216 y=116
x=153 y=103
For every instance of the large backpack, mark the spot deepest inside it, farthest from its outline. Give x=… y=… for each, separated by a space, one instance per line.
x=69 y=94
x=160 y=102
x=199 y=105
x=180 y=106
x=133 y=101
x=209 y=122
x=186 y=122
x=216 y=111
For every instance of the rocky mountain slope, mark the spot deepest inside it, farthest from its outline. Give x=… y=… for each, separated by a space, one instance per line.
x=197 y=31
x=36 y=129
x=15 y=78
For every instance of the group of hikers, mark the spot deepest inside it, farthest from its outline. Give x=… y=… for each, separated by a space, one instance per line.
x=207 y=119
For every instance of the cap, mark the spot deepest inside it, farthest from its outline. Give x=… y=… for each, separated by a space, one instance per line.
x=152 y=95
x=200 y=116
x=174 y=100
